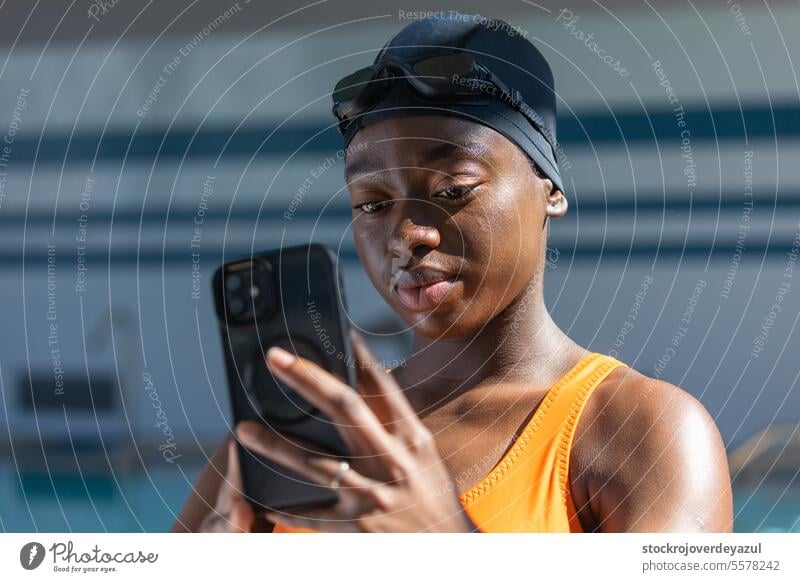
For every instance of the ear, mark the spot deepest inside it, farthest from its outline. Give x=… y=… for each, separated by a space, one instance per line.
x=556 y=201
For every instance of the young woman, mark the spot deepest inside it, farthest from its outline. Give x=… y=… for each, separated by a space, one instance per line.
x=498 y=421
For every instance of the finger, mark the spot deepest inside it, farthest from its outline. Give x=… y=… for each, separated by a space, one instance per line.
x=299 y=456
x=328 y=468
x=234 y=476
x=241 y=512
x=343 y=405
x=288 y=451
x=239 y=519
x=213 y=522
x=231 y=486
x=323 y=520
x=242 y=516
x=382 y=392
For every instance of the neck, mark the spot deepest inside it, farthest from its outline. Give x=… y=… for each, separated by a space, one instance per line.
x=520 y=343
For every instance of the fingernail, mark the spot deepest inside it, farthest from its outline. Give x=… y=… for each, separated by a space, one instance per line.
x=279 y=357
x=247 y=430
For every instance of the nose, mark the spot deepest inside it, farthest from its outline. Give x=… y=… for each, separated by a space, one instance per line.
x=411 y=234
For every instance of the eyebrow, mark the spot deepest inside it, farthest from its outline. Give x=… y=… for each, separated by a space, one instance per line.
x=472 y=149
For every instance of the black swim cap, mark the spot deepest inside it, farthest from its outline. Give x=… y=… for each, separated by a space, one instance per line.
x=503 y=50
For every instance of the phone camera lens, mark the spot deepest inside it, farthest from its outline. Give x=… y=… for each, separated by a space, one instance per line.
x=236 y=306
x=233 y=282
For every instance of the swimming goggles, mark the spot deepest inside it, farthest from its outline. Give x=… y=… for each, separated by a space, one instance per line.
x=451 y=78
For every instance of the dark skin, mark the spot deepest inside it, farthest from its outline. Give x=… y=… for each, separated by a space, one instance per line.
x=447 y=194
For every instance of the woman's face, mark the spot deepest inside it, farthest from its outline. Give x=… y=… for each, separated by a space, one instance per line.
x=448 y=220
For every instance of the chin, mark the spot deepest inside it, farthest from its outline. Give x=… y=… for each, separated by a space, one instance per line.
x=443 y=323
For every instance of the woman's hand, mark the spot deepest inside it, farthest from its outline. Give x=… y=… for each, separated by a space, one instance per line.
x=396 y=481
x=231 y=513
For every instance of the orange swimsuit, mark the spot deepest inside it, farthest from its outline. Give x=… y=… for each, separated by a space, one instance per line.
x=528 y=490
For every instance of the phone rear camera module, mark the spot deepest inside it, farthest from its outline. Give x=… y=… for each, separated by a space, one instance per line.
x=249 y=293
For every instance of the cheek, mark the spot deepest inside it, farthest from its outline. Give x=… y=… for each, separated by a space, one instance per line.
x=371 y=244
x=500 y=228
x=520 y=251
x=501 y=241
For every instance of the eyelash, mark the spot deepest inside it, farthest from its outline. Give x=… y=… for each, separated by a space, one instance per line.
x=386 y=203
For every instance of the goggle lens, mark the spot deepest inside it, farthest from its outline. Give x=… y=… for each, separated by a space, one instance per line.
x=444 y=67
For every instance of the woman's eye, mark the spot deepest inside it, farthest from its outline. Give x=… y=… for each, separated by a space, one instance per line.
x=455 y=192
x=372 y=207
x=450 y=193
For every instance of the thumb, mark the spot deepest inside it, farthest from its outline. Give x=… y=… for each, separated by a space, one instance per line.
x=233 y=477
x=242 y=517
x=240 y=512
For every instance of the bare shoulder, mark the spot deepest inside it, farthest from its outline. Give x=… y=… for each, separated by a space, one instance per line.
x=628 y=400
x=647 y=456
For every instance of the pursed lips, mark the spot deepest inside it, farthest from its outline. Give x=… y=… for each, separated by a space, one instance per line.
x=422 y=289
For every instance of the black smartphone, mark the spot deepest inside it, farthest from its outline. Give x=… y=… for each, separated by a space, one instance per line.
x=293 y=298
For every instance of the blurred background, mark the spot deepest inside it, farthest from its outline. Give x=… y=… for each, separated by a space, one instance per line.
x=144 y=143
